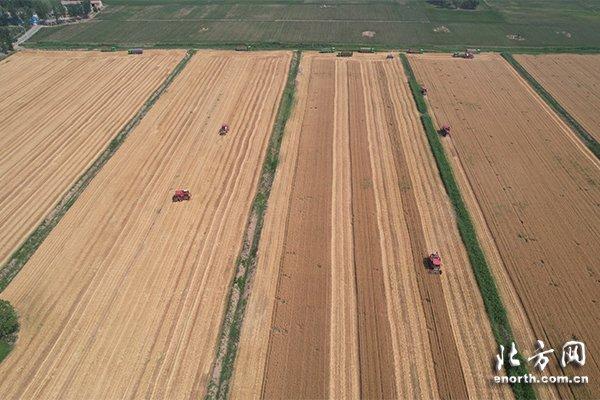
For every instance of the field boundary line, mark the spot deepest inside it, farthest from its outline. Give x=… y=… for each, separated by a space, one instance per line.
x=296 y=46
x=226 y=351
x=19 y=257
x=487 y=285
x=587 y=139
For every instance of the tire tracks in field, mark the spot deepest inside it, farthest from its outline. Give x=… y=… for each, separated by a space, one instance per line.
x=374 y=340
x=450 y=381
x=299 y=322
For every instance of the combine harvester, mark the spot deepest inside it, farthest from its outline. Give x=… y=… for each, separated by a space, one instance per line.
x=181 y=195
x=423 y=90
x=434 y=263
x=224 y=129
x=445 y=131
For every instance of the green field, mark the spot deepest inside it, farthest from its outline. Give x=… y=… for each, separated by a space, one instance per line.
x=176 y=23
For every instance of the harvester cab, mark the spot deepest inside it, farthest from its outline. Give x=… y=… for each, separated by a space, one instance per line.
x=445 y=131
x=224 y=129
x=181 y=195
x=434 y=263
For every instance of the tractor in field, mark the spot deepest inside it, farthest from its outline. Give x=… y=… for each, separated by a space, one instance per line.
x=434 y=263
x=224 y=129
x=423 y=90
x=445 y=131
x=181 y=195
x=390 y=56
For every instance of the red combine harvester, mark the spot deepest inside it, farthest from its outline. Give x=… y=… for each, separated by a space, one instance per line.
x=224 y=129
x=181 y=195
x=423 y=90
x=445 y=131
x=434 y=263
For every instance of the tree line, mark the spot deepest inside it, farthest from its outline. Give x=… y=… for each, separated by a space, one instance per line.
x=16 y=15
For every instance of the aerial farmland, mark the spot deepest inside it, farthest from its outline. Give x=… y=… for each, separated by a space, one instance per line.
x=295 y=200
x=124 y=297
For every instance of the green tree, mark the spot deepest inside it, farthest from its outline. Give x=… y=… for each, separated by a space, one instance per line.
x=9 y=323
x=87 y=7
x=6 y=40
x=41 y=8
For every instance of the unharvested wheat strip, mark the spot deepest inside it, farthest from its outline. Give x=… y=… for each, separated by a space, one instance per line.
x=344 y=364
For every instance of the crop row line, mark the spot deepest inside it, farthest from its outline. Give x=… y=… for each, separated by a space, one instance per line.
x=487 y=286
x=18 y=259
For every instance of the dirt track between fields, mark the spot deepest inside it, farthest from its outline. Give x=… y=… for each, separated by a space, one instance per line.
x=573 y=80
x=533 y=189
x=389 y=328
x=125 y=298
x=59 y=111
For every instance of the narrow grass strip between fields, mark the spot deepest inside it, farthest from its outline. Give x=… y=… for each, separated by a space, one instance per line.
x=485 y=280
x=587 y=139
x=222 y=369
x=33 y=242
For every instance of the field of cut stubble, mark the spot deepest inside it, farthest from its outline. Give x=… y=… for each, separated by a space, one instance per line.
x=533 y=189
x=125 y=298
x=341 y=304
x=59 y=110
x=573 y=80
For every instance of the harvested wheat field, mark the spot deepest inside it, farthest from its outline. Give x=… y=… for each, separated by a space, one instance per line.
x=125 y=298
x=573 y=80
x=341 y=304
x=534 y=192
x=59 y=111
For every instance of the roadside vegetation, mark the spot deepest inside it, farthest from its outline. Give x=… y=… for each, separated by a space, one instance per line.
x=583 y=134
x=487 y=285
x=9 y=326
x=218 y=386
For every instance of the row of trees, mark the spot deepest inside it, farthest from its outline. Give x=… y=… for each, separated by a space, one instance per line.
x=462 y=4
x=22 y=10
x=16 y=14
